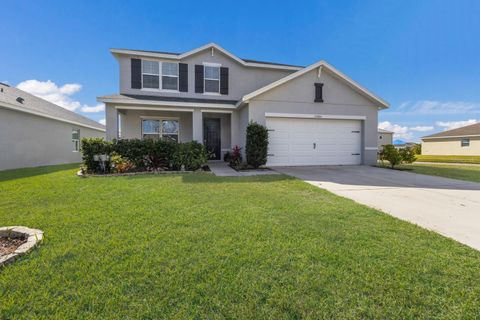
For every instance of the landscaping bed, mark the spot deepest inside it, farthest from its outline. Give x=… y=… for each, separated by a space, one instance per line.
x=9 y=245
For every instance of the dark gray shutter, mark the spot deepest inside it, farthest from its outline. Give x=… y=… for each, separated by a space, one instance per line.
x=136 y=71
x=183 y=77
x=223 y=80
x=198 y=78
x=318 y=92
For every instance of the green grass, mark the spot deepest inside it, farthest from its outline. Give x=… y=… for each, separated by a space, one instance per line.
x=467 y=173
x=202 y=247
x=449 y=159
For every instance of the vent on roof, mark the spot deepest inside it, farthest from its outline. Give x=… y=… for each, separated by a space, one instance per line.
x=20 y=100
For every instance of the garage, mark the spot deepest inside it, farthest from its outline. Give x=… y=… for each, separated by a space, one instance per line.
x=311 y=141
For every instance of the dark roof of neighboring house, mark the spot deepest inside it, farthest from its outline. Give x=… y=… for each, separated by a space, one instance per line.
x=471 y=130
x=168 y=99
x=246 y=60
x=17 y=99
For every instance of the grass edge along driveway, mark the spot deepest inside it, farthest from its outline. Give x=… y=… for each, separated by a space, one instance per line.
x=199 y=246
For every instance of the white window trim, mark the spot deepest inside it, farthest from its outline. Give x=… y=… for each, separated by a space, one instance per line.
x=160 y=75
x=160 y=134
x=76 y=141
x=214 y=65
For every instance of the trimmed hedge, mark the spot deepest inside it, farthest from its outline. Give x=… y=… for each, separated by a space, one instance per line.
x=257 y=144
x=145 y=155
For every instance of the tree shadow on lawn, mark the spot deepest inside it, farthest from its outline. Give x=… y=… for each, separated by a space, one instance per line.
x=13 y=174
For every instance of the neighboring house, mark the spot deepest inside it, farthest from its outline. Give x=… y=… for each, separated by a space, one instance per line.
x=405 y=145
x=384 y=137
x=35 y=132
x=316 y=115
x=464 y=141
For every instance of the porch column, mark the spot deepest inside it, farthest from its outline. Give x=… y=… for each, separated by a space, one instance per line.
x=234 y=129
x=197 y=125
x=111 y=119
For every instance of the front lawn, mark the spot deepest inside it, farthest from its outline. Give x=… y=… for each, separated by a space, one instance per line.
x=199 y=246
x=449 y=159
x=468 y=173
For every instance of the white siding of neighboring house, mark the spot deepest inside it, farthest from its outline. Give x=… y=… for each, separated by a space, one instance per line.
x=384 y=138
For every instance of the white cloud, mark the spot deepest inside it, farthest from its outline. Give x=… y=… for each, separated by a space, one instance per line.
x=399 y=131
x=98 y=108
x=449 y=125
x=429 y=107
x=49 y=91
x=102 y=121
x=422 y=128
x=59 y=95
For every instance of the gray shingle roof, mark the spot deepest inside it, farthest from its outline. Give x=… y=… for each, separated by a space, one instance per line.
x=21 y=100
x=471 y=130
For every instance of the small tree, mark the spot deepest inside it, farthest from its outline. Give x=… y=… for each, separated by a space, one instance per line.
x=417 y=149
x=257 y=144
x=407 y=155
x=392 y=155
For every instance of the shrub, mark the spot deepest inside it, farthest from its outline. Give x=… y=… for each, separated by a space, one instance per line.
x=190 y=156
x=90 y=148
x=417 y=149
x=236 y=156
x=256 y=144
x=120 y=164
x=407 y=155
x=392 y=155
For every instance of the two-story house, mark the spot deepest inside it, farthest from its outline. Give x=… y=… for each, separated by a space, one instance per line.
x=316 y=115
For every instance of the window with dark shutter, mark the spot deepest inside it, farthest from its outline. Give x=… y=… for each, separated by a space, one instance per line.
x=198 y=78
x=136 y=73
x=223 y=80
x=183 y=81
x=318 y=92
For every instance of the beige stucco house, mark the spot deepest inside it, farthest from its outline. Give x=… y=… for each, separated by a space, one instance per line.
x=315 y=114
x=384 y=137
x=463 y=141
x=35 y=132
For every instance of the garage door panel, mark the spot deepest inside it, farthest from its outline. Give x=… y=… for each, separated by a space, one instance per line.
x=292 y=142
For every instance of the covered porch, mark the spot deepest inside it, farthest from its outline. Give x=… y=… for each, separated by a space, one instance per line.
x=214 y=128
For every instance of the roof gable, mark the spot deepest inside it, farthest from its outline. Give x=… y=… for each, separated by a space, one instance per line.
x=321 y=65
x=209 y=46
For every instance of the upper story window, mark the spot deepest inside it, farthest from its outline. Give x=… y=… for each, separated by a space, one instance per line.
x=150 y=74
x=212 y=79
x=465 y=142
x=152 y=78
x=76 y=140
x=169 y=76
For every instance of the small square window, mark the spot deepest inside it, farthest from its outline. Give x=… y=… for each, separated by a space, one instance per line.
x=465 y=142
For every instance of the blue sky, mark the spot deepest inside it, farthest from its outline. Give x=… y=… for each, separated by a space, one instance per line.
x=421 y=56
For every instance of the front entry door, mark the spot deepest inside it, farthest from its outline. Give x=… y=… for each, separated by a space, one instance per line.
x=211 y=136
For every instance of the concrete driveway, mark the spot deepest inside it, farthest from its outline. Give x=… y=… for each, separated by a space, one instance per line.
x=449 y=207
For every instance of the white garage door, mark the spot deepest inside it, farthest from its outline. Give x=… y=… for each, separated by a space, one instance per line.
x=297 y=142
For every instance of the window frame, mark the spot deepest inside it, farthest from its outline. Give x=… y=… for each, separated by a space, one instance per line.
x=465 y=142
x=160 y=120
x=211 y=65
x=160 y=76
x=76 y=142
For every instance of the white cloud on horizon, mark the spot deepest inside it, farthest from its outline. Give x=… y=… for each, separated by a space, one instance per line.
x=102 y=121
x=449 y=125
x=432 y=107
x=398 y=130
x=59 y=95
x=422 y=128
x=98 y=108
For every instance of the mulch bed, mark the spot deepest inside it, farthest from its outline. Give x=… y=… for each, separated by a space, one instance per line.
x=9 y=245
